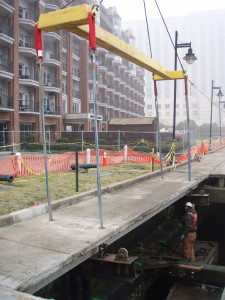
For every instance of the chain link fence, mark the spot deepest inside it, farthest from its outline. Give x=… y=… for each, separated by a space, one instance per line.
x=143 y=142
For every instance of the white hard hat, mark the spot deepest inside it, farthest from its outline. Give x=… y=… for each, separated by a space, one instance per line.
x=189 y=204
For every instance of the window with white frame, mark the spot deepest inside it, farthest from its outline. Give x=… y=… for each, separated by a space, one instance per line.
x=76 y=107
x=64 y=106
x=46 y=78
x=64 y=87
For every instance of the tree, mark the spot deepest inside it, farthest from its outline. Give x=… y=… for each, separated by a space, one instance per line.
x=215 y=128
x=183 y=125
x=161 y=125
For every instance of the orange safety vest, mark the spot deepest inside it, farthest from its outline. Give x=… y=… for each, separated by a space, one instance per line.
x=194 y=223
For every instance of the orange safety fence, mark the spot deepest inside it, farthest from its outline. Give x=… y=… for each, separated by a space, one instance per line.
x=135 y=157
x=113 y=158
x=9 y=166
x=32 y=165
x=195 y=150
x=202 y=150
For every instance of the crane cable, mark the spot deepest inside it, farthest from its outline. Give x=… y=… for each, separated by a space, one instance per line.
x=169 y=34
x=146 y=20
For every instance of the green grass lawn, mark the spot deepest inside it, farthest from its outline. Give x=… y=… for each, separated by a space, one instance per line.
x=28 y=191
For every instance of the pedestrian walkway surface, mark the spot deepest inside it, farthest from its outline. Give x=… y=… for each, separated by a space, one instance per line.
x=37 y=251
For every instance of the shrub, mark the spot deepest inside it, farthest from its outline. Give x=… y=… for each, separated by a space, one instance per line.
x=102 y=141
x=62 y=140
x=29 y=137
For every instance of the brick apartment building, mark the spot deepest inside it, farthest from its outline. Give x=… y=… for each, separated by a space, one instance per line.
x=67 y=75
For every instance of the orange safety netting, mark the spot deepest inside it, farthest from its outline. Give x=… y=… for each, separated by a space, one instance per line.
x=32 y=165
x=113 y=158
x=135 y=157
x=9 y=166
x=202 y=150
x=195 y=150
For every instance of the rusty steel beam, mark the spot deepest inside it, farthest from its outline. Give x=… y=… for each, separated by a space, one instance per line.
x=111 y=266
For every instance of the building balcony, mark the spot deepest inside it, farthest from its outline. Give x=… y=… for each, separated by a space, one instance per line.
x=6 y=8
x=76 y=74
x=52 y=110
x=26 y=46
x=52 y=36
x=117 y=93
x=101 y=50
x=27 y=18
x=51 y=58
x=110 y=73
x=51 y=5
x=6 y=35
x=76 y=53
x=64 y=69
x=28 y=77
x=105 y=119
x=6 y=69
x=109 y=56
x=101 y=68
x=102 y=84
x=51 y=84
x=6 y=102
x=110 y=88
x=76 y=94
x=64 y=45
x=28 y=106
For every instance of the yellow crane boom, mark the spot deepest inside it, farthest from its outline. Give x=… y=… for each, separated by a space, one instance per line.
x=75 y=19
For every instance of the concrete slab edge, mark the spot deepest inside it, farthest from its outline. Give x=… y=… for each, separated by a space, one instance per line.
x=7 y=293
x=35 y=211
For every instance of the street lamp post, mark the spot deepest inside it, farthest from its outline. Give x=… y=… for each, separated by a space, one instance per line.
x=210 y=128
x=220 y=95
x=190 y=58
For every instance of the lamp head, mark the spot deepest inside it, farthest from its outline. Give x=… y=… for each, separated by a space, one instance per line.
x=190 y=57
x=220 y=94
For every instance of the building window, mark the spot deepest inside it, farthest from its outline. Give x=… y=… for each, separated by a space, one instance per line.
x=167 y=106
x=194 y=105
x=76 y=107
x=64 y=106
x=63 y=87
x=195 y=112
x=149 y=106
x=25 y=128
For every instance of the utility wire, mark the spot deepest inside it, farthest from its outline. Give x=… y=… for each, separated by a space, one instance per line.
x=169 y=34
x=146 y=19
x=67 y=4
x=205 y=95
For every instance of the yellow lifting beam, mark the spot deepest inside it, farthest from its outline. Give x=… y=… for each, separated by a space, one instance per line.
x=75 y=19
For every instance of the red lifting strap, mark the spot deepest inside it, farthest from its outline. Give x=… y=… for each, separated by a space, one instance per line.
x=155 y=88
x=38 y=41
x=92 y=38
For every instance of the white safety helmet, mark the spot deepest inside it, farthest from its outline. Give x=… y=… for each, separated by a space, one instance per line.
x=189 y=205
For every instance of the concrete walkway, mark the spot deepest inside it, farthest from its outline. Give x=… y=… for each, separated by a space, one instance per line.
x=35 y=252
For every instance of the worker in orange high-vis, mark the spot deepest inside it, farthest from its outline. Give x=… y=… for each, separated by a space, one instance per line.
x=190 y=227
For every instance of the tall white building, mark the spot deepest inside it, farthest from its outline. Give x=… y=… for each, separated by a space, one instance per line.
x=206 y=32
